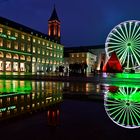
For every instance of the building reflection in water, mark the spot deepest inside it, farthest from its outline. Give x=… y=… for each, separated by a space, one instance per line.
x=122 y=104
x=18 y=97
x=53 y=115
x=82 y=87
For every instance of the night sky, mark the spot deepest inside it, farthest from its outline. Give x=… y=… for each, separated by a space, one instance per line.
x=83 y=22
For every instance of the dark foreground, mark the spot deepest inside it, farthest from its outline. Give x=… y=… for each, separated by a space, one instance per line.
x=77 y=120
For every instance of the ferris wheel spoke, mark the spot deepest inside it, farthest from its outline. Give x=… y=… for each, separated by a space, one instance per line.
x=116 y=110
x=121 y=116
x=132 y=59
x=130 y=33
x=128 y=60
x=124 y=117
x=120 y=112
x=133 y=92
x=120 y=52
x=111 y=101
x=134 y=29
x=135 y=112
x=118 y=37
x=123 y=57
x=123 y=37
x=135 y=57
x=126 y=30
x=123 y=32
x=114 y=107
x=136 y=33
x=116 y=40
x=137 y=38
x=128 y=119
x=137 y=51
x=122 y=90
x=137 y=107
x=131 y=116
x=134 y=116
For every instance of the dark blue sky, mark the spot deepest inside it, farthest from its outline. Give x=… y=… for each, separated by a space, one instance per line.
x=83 y=22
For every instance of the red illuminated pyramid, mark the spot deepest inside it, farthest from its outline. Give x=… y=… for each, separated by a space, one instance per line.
x=113 y=64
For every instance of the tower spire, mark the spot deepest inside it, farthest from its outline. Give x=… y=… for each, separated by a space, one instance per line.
x=54 y=25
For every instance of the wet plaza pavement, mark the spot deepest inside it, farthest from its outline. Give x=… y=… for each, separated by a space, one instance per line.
x=77 y=120
x=68 y=110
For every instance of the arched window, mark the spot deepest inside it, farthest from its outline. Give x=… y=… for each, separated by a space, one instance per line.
x=16 y=56
x=28 y=58
x=22 y=57
x=34 y=59
x=1 y=55
x=8 y=55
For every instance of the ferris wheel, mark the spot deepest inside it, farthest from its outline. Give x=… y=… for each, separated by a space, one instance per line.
x=123 y=107
x=124 y=39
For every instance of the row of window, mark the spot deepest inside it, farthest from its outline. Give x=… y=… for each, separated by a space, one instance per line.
x=15 y=56
x=22 y=47
x=28 y=58
x=35 y=40
x=78 y=55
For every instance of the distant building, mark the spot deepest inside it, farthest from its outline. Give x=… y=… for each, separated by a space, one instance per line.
x=23 y=49
x=91 y=55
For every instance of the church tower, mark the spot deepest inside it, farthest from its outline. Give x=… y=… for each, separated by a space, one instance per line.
x=54 y=26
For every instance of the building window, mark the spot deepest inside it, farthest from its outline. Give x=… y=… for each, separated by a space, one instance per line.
x=8 y=55
x=34 y=40
x=43 y=43
x=22 y=47
x=72 y=55
x=29 y=38
x=16 y=34
x=38 y=41
x=8 y=32
x=38 y=60
x=1 y=30
x=54 y=54
x=50 y=54
x=83 y=55
x=55 y=46
x=58 y=47
x=22 y=57
x=33 y=49
x=15 y=45
x=28 y=58
x=34 y=59
x=47 y=53
x=22 y=36
x=28 y=48
x=15 y=56
x=38 y=50
x=47 y=61
x=43 y=52
x=47 y=44
x=43 y=60
x=51 y=45
x=1 y=42
x=1 y=55
x=8 y=44
x=58 y=55
x=77 y=54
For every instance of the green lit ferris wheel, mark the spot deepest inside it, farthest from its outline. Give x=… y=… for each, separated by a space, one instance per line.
x=124 y=39
x=123 y=107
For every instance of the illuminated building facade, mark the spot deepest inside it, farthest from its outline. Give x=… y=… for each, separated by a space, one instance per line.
x=91 y=55
x=23 y=49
